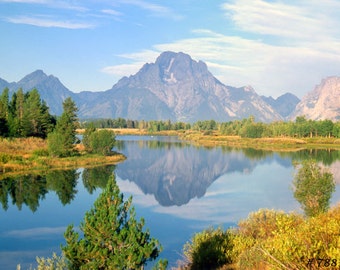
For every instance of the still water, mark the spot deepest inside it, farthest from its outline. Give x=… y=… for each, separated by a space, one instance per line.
x=178 y=188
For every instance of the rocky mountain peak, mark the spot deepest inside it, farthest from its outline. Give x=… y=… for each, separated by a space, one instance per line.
x=33 y=78
x=188 y=90
x=179 y=68
x=321 y=103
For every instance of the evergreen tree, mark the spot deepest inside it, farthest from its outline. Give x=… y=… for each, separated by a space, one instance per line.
x=112 y=237
x=4 y=130
x=67 y=124
x=19 y=112
x=32 y=114
x=4 y=101
x=62 y=139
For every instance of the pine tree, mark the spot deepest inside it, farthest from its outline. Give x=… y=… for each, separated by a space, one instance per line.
x=4 y=106
x=19 y=112
x=61 y=140
x=112 y=237
x=32 y=114
x=67 y=124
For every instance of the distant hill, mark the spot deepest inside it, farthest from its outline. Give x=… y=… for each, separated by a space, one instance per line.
x=284 y=104
x=50 y=88
x=175 y=87
x=321 y=103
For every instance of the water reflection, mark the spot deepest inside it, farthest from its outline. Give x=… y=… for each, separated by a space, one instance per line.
x=176 y=172
x=30 y=189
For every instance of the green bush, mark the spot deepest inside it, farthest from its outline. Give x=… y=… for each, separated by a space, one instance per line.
x=209 y=249
x=4 y=158
x=100 y=142
x=55 y=144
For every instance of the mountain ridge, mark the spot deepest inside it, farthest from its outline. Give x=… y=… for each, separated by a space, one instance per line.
x=174 y=87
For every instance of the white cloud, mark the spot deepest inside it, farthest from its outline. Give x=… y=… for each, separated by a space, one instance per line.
x=49 y=3
x=138 y=60
x=298 y=20
x=35 y=232
x=25 y=1
x=276 y=46
x=123 y=69
x=47 y=22
x=112 y=12
x=155 y=9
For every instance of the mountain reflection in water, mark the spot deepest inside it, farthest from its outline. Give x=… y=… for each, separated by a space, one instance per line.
x=175 y=172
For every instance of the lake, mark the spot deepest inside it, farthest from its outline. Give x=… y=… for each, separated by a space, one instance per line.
x=178 y=188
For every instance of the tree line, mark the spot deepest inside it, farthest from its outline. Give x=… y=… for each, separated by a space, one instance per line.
x=247 y=128
x=152 y=125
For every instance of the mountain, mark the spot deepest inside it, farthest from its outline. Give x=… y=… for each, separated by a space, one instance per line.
x=284 y=104
x=178 y=88
x=51 y=90
x=321 y=103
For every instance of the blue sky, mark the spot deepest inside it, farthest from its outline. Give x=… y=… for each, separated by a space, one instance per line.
x=274 y=46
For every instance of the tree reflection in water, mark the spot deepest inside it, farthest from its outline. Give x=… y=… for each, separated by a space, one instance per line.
x=30 y=189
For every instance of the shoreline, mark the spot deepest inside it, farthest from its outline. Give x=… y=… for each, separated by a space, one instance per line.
x=29 y=154
x=217 y=139
x=21 y=155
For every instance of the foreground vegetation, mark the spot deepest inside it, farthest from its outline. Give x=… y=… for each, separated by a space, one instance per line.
x=269 y=239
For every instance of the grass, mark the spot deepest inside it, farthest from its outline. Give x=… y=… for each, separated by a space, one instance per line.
x=277 y=143
x=23 y=154
x=139 y=132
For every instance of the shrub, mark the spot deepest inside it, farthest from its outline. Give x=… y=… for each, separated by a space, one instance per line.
x=55 y=145
x=100 y=142
x=277 y=240
x=313 y=188
x=209 y=249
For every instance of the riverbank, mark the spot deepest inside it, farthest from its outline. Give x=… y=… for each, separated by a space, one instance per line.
x=27 y=154
x=215 y=138
x=277 y=143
